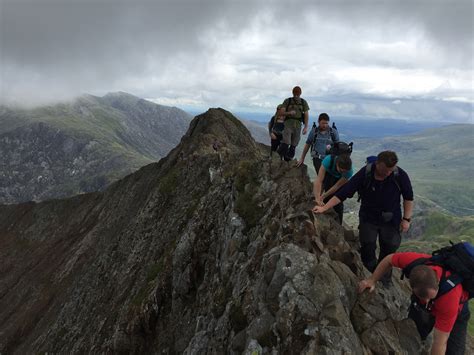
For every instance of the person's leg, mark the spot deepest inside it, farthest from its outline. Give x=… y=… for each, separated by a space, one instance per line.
x=389 y=241
x=285 y=142
x=457 y=337
x=274 y=144
x=339 y=208
x=368 y=243
x=296 y=136
x=317 y=164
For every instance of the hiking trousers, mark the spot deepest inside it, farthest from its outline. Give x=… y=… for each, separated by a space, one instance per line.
x=389 y=241
x=457 y=337
x=292 y=135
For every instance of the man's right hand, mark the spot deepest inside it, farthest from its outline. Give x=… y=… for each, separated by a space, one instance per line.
x=319 y=209
x=367 y=283
x=301 y=161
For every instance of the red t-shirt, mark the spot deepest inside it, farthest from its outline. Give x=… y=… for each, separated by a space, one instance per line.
x=447 y=307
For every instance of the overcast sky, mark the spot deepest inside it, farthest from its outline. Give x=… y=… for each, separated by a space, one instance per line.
x=401 y=59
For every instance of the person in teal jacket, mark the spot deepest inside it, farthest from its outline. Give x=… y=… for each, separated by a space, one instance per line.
x=335 y=171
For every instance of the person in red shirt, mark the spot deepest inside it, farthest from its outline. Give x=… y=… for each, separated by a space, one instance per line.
x=450 y=310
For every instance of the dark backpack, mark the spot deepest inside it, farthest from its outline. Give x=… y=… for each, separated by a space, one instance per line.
x=302 y=104
x=370 y=161
x=458 y=259
x=339 y=148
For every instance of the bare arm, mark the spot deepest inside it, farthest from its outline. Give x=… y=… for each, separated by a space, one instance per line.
x=303 y=154
x=330 y=204
x=383 y=267
x=440 y=341
x=318 y=185
x=306 y=119
x=407 y=213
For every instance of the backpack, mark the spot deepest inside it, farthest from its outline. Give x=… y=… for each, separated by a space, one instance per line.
x=339 y=148
x=302 y=104
x=331 y=132
x=370 y=161
x=458 y=259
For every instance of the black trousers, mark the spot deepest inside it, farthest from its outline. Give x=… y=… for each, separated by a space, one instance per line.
x=276 y=142
x=330 y=181
x=389 y=241
x=317 y=164
x=457 y=337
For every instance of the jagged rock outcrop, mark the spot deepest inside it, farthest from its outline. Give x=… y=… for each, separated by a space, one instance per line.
x=211 y=250
x=82 y=146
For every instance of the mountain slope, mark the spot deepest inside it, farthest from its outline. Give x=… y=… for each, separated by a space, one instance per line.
x=211 y=249
x=82 y=146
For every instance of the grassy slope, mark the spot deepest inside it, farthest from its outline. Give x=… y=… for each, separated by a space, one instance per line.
x=102 y=125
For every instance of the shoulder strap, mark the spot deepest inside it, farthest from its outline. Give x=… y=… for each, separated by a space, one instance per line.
x=396 y=178
x=332 y=162
x=333 y=134
x=303 y=102
x=407 y=269
x=316 y=131
x=367 y=181
x=288 y=103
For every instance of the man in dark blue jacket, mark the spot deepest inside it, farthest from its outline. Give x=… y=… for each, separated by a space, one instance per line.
x=380 y=186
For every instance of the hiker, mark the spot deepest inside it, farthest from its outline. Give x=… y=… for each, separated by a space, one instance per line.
x=380 y=185
x=320 y=140
x=335 y=171
x=276 y=127
x=296 y=112
x=437 y=301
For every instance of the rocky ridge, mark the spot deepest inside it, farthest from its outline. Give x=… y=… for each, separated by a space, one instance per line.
x=211 y=250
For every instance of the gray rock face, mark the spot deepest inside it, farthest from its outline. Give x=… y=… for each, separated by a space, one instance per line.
x=170 y=260
x=82 y=146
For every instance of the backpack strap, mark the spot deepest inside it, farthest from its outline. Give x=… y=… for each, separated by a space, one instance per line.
x=367 y=181
x=407 y=269
x=333 y=134
x=332 y=161
x=396 y=178
x=288 y=103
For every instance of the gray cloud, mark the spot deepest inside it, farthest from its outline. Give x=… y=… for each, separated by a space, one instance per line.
x=236 y=54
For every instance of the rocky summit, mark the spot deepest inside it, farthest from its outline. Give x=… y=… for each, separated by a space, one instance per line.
x=213 y=249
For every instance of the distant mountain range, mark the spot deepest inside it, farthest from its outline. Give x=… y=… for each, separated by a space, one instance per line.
x=83 y=145
x=356 y=127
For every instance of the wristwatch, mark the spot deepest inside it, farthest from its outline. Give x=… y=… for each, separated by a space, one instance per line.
x=407 y=219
